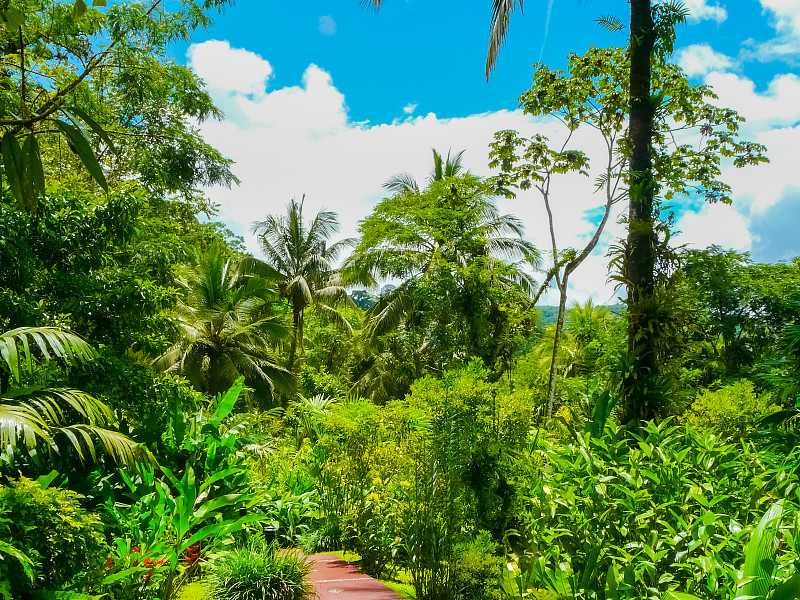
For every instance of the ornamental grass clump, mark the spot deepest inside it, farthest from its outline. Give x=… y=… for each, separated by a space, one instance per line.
x=256 y=571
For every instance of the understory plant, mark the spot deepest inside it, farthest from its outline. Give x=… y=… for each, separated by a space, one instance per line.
x=257 y=571
x=164 y=518
x=59 y=544
x=624 y=516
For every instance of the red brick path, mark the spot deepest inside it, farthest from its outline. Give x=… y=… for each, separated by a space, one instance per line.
x=337 y=579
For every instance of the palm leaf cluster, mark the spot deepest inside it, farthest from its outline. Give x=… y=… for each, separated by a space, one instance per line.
x=39 y=420
x=447 y=244
x=227 y=330
x=453 y=222
x=301 y=263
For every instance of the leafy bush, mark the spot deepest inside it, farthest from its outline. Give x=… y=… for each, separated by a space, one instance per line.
x=477 y=570
x=257 y=572
x=324 y=536
x=733 y=410
x=628 y=516
x=64 y=541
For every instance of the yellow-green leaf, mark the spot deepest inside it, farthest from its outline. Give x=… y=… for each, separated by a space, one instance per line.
x=81 y=147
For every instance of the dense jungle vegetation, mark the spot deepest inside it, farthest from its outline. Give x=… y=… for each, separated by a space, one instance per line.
x=172 y=406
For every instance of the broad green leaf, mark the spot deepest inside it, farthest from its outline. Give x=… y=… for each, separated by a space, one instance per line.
x=81 y=147
x=32 y=163
x=227 y=402
x=79 y=9
x=12 y=165
x=760 y=550
x=678 y=596
x=93 y=125
x=13 y=18
x=788 y=590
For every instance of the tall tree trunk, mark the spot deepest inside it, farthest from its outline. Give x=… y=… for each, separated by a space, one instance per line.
x=638 y=403
x=297 y=336
x=551 y=382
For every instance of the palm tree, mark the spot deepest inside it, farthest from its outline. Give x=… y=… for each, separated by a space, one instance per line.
x=640 y=247
x=300 y=261
x=227 y=330
x=448 y=234
x=53 y=418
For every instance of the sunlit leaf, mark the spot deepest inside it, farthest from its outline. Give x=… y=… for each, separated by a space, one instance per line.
x=81 y=147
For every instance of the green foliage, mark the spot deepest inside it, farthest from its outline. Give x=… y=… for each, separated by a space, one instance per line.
x=256 y=571
x=743 y=306
x=734 y=410
x=161 y=518
x=100 y=76
x=48 y=420
x=465 y=287
x=227 y=330
x=64 y=542
x=300 y=262
x=633 y=517
x=478 y=569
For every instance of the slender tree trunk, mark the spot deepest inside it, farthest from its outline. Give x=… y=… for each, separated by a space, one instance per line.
x=638 y=403
x=551 y=382
x=297 y=336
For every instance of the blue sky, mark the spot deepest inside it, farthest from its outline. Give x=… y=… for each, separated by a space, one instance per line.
x=329 y=98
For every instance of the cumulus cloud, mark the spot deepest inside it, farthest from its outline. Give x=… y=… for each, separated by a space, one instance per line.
x=327 y=26
x=779 y=104
x=230 y=70
x=718 y=224
x=299 y=140
x=700 y=10
x=785 y=18
x=410 y=108
x=702 y=59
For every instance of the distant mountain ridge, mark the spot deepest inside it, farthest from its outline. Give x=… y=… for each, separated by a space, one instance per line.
x=549 y=314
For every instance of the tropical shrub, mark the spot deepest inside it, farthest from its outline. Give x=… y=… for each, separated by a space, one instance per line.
x=477 y=569
x=64 y=542
x=256 y=571
x=734 y=410
x=325 y=535
x=628 y=516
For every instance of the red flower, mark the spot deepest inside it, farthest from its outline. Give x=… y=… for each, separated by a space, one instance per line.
x=109 y=563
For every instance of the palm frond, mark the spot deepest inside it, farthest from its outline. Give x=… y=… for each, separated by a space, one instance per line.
x=47 y=403
x=20 y=422
x=401 y=183
x=611 y=23
x=501 y=15
x=118 y=447
x=299 y=291
x=388 y=313
x=17 y=352
x=335 y=317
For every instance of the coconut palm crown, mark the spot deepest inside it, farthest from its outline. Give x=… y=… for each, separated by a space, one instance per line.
x=300 y=261
x=227 y=330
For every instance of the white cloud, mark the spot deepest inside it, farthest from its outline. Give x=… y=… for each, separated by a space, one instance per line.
x=772 y=119
x=785 y=18
x=700 y=10
x=779 y=104
x=229 y=70
x=701 y=59
x=718 y=224
x=299 y=140
x=410 y=108
x=327 y=26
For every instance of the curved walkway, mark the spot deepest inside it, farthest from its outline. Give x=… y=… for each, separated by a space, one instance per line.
x=337 y=579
